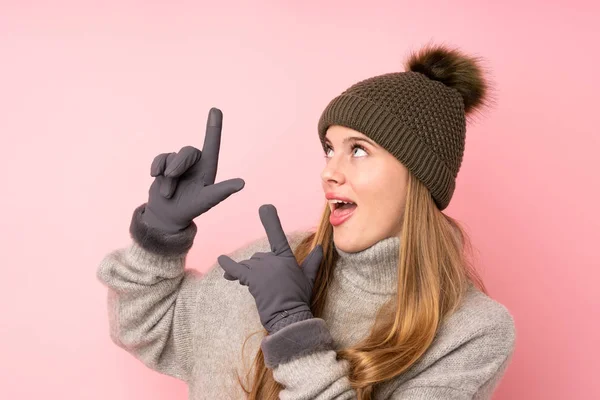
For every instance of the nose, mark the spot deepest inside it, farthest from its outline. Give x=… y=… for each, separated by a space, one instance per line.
x=332 y=173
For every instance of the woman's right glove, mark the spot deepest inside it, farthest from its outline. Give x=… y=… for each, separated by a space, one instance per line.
x=184 y=186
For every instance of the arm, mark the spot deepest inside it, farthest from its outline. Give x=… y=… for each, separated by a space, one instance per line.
x=153 y=301
x=151 y=298
x=304 y=362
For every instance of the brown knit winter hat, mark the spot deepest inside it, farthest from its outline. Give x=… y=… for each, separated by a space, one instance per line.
x=417 y=115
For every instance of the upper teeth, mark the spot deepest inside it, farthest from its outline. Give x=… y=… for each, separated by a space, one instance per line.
x=333 y=202
x=336 y=201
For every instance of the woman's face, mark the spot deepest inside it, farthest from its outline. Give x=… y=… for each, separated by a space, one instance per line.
x=361 y=172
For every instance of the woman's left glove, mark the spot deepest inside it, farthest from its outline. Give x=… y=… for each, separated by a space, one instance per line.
x=281 y=288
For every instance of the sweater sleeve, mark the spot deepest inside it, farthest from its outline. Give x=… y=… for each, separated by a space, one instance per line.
x=303 y=360
x=153 y=309
x=152 y=298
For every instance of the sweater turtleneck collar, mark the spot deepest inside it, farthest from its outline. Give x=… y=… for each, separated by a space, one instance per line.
x=374 y=269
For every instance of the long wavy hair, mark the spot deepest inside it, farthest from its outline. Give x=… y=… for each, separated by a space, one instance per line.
x=434 y=272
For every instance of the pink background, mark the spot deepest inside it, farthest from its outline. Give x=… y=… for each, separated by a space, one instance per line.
x=89 y=94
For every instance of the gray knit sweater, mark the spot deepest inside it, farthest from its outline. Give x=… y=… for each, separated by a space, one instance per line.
x=192 y=326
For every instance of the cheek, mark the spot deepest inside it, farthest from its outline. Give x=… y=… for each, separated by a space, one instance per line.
x=372 y=191
x=383 y=195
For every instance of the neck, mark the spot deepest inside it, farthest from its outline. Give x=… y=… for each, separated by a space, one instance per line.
x=375 y=269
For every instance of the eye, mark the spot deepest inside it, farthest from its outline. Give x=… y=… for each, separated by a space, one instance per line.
x=328 y=150
x=360 y=149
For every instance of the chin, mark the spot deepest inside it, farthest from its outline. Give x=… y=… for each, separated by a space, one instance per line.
x=348 y=242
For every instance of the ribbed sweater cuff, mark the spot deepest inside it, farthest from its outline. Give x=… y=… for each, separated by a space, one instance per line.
x=159 y=242
x=296 y=340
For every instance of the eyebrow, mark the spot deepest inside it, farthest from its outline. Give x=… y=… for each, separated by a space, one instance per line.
x=352 y=138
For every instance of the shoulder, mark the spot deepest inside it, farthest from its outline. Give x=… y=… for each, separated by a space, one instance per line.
x=469 y=354
x=481 y=319
x=485 y=313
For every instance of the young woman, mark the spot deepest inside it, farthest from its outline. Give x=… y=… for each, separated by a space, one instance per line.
x=380 y=302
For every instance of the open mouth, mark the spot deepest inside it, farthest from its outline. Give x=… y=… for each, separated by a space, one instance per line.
x=340 y=206
x=341 y=211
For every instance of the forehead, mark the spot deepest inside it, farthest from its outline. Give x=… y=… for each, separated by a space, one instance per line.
x=337 y=133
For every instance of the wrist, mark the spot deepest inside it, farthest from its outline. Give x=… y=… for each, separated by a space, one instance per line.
x=287 y=318
x=157 y=240
x=153 y=220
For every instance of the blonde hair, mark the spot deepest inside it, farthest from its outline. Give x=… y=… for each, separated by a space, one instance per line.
x=434 y=272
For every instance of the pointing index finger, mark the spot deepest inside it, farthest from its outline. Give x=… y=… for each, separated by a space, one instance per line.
x=212 y=143
x=275 y=234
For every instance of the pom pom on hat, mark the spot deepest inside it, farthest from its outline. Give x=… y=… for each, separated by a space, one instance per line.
x=454 y=69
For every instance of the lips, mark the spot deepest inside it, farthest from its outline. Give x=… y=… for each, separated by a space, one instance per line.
x=342 y=208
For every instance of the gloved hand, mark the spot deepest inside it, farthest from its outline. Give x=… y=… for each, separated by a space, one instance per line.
x=281 y=288
x=184 y=186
